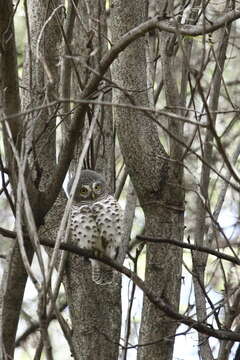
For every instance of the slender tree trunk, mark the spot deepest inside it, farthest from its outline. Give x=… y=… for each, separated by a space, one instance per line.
x=12 y=287
x=200 y=260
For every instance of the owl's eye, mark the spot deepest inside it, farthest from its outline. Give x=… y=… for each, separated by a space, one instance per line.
x=98 y=187
x=83 y=191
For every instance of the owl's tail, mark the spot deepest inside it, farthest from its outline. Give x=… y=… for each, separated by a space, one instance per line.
x=101 y=274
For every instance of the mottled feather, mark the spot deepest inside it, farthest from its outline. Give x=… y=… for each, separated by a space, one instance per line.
x=96 y=222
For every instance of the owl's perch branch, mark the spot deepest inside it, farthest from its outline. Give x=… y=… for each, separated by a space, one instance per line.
x=157 y=301
x=12 y=235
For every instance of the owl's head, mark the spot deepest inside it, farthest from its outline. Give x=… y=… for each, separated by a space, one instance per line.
x=91 y=187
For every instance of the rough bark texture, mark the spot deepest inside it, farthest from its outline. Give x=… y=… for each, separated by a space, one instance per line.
x=156 y=180
x=8 y=60
x=14 y=277
x=41 y=145
x=41 y=80
x=95 y=311
x=12 y=291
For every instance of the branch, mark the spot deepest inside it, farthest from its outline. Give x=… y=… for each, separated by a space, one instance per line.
x=49 y=196
x=216 y=137
x=183 y=245
x=12 y=235
x=203 y=328
x=163 y=24
x=156 y=300
x=196 y=30
x=34 y=326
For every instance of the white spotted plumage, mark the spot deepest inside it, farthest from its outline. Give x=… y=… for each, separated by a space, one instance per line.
x=97 y=224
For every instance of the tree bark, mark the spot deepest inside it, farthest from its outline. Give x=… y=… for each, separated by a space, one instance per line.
x=14 y=276
x=44 y=156
x=95 y=311
x=156 y=179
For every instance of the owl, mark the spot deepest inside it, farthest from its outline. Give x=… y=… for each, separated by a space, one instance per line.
x=96 y=222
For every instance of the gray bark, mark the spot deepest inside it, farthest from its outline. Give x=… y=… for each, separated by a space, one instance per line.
x=95 y=311
x=41 y=80
x=42 y=155
x=157 y=182
x=11 y=288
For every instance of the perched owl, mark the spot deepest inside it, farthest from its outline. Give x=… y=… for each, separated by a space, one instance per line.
x=96 y=222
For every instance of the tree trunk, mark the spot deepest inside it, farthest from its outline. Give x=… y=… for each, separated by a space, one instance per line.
x=12 y=286
x=41 y=148
x=95 y=311
x=157 y=181
x=200 y=260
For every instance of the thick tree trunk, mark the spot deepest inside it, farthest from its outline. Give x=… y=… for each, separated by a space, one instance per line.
x=95 y=311
x=156 y=180
x=42 y=151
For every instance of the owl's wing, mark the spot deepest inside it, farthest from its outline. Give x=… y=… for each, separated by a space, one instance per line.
x=85 y=233
x=108 y=216
x=109 y=220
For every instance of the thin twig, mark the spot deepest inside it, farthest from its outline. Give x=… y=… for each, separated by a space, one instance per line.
x=155 y=299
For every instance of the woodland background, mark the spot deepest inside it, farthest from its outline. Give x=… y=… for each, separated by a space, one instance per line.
x=147 y=93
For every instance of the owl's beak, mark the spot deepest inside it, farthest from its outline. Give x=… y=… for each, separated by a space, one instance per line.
x=93 y=195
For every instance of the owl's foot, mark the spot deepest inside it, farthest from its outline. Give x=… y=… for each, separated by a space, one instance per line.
x=103 y=279
x=101 y=274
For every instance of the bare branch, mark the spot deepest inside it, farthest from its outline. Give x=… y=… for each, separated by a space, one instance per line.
x=185 y=245
x=159 y=302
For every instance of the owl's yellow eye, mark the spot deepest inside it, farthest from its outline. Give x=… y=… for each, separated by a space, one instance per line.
x=83 y=191
x=98 y=187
